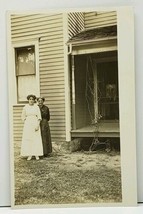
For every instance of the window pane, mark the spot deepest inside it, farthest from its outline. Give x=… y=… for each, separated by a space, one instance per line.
x=25 y=60
x=26 y=85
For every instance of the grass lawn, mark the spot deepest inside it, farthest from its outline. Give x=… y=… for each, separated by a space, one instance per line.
x=67 y=178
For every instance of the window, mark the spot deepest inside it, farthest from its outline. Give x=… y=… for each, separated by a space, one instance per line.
x=25 y=70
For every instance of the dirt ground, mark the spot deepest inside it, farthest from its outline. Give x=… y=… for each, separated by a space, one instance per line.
x=68 y=178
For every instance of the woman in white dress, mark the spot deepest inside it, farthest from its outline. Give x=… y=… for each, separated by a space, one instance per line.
x=31 y=139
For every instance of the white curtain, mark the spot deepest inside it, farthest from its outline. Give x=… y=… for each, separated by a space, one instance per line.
x=26 y=85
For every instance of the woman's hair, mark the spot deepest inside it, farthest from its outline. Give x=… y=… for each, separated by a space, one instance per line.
x=31 y=95
x=41 y=98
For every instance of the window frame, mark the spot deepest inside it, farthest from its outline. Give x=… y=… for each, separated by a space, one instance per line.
x=21 y=44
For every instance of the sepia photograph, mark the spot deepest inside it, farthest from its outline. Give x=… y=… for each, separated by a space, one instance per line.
x=66 y=108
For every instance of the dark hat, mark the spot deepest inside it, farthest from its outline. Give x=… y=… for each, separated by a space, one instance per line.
x=31 y=95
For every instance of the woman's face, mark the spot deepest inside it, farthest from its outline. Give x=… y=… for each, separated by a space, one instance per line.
x=31 y=101
x=40 y=102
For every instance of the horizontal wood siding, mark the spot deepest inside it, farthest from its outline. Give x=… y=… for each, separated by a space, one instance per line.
x=100 y=19
x=75 y=23
x=17 y=123
x=49 y=29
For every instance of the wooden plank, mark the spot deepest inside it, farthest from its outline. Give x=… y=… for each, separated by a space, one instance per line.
x=60 y=128
x=52 y=60
x=45 y=71
x=110 y=135
x=37 y=25
x=56 y=106
x=57 y=94
x=40 y=32
x=44 y=52
x=54 y=120
x=52 y=79
x=17 y=123
x=104 y=129
x=44 y=41
x=96 y=14
x=61 y=82
x=36 y=36
x=111 y=19
x=56 y=102
x=51 y=75
x=53 y=90
x=47 y=37
x=53 y=52
x=43 y=55
x=58 y=134
x=45 y=88
x=100 y=25
x=62 y=113
x=52 y=48
x=31 y=17
x=52 y=64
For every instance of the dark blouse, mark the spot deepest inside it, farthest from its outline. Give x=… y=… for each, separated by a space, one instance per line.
x=45 y=113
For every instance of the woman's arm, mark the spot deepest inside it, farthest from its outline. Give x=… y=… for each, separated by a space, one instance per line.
x=23 y=115
x=48 y=114
x=38 y=119
x=38 y=125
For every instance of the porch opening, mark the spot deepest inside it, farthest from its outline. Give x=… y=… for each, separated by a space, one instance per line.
x=95 y=99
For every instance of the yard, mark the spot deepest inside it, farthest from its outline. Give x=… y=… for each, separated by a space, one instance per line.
x=68 y=177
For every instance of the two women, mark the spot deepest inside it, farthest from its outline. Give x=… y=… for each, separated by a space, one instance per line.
x=32 y=144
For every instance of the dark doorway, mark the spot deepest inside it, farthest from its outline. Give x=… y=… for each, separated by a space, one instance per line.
x=108 y=102
x=96 y=88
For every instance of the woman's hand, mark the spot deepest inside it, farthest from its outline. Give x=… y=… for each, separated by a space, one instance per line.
x=37 y=128
x=38 y=125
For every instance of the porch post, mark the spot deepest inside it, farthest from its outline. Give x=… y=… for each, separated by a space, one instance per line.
x=73 y=95
x=67 y=80
x=95 y=93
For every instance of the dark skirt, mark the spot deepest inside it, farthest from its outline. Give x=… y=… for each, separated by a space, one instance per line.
x=46 y=137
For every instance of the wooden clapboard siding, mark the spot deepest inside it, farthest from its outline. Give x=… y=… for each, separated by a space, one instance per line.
x=52 y=79
x=48 y=28
x=75 y=23
x=100 y=19
x=17 y=123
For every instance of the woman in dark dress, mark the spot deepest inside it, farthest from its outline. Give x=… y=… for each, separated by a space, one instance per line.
x=45 y=129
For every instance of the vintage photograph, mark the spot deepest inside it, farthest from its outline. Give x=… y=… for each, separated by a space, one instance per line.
x=65 y=108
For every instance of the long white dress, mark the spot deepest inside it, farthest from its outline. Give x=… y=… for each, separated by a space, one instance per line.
x=31 y=139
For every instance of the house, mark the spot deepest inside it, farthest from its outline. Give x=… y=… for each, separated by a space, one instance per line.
x=71 y=60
